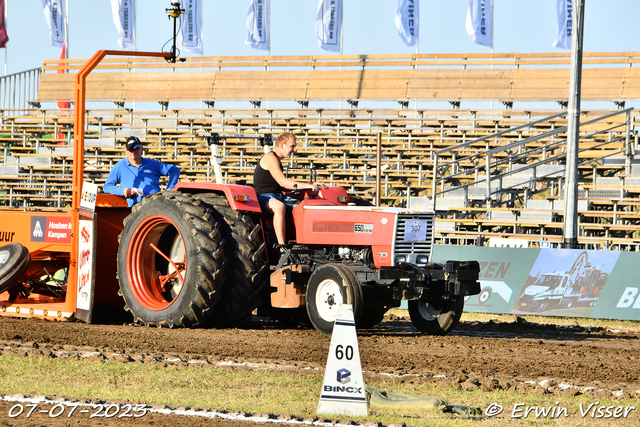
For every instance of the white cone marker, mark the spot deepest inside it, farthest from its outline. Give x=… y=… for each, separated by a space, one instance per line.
x=343 y=387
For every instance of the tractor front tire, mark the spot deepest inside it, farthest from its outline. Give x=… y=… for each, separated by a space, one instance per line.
x=170 y=261
x=244 y=248
x=329 y=286
x=436 y=317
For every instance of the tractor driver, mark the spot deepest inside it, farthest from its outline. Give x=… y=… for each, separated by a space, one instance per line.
x=269 y=182
x=137 y=176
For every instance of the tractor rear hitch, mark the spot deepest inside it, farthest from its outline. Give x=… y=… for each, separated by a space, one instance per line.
x=415 y=282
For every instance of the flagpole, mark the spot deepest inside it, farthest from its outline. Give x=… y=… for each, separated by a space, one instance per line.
x=492 y=25
x=269 y=30
x=66 y=29
x=6 y=12
x=341 y=27
x=341 y=37
x=417 y=47
x=201 y=35
x=268 y=38
x=135 y=40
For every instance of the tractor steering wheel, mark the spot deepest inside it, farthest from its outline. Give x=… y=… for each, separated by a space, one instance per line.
x=295 y=194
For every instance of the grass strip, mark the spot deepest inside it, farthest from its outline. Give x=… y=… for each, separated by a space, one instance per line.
x=282 y=392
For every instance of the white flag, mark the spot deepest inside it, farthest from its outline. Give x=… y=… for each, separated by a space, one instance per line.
x=54 y=12
x=189 y=37
x=258 y=25
x=564 y=9
x=408 y=21
x=124 y=16
x=479 y=21
x=329 y=25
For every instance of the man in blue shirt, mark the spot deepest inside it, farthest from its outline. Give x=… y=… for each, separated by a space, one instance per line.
x=137 y=176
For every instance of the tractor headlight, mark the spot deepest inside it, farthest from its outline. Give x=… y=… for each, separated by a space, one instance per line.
x=241 y=198
x=422 y=259
x=401 y=258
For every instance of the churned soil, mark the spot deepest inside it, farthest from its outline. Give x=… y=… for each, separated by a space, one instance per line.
x=490 y=355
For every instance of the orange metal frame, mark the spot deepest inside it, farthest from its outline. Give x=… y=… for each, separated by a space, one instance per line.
x=21 y=221
x=78 y=156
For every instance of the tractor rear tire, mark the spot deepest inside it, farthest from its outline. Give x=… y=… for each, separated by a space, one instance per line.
x=181 y=293
x=329 y=286
x=14 y=261
x=244 y=248
x=436 y=317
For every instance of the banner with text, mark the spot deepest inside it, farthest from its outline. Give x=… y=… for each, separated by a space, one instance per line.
x=329 y=25
x=258 y=25
x=408 y=21
x=189 y=38
x=552 y=282
x=125 y=19
x=564 y=13
x=479 y=22
x=54 y=13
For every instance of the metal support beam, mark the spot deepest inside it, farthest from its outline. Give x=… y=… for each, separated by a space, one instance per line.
x=570 y=229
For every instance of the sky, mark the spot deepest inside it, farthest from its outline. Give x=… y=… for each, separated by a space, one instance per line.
x=520 y=26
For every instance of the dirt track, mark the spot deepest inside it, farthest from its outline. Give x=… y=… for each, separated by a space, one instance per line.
x=488 y=355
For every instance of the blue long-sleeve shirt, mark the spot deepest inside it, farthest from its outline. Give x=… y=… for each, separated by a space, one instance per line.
x=146 y=177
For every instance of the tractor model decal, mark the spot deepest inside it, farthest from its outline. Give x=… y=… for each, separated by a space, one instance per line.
x=341 y=227
x=363 y=228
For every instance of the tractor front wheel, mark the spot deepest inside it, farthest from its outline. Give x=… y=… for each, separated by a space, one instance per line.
x=436 y=317
x=170 y=261
x=329 y=286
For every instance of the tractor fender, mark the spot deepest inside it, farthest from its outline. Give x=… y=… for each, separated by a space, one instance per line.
x=230 y=191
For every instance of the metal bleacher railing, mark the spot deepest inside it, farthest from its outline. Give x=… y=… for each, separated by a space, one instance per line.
x=500 y=201
x=493 y=159
x=19 y=89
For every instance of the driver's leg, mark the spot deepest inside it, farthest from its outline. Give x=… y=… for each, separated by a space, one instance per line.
x=279 y=224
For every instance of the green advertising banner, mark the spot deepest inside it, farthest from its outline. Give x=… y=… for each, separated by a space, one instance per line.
x=551 y=282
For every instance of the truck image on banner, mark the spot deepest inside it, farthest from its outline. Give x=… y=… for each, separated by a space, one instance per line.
x=574 y=283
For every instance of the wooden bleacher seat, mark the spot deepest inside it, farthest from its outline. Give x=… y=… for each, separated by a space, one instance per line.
x=330 y=77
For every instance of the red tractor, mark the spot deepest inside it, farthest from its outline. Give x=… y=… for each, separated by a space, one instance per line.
x=201 y=255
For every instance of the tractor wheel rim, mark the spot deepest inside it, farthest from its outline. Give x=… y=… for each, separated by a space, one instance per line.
x=152 y=288
x=328 y=297
x=427 y=311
